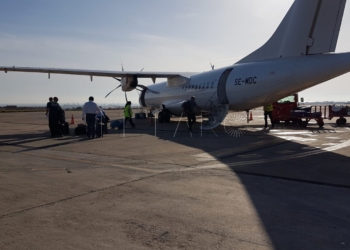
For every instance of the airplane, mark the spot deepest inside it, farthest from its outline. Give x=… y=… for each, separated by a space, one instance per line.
x=298 y=55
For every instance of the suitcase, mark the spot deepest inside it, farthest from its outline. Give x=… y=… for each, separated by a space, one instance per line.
x=64 y=128
x=80 y=130
x=116 y=124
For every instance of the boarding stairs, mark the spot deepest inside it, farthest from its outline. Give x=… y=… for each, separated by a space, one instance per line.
x=217 y=114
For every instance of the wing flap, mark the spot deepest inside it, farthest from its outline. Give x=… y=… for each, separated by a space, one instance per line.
x=139 y=74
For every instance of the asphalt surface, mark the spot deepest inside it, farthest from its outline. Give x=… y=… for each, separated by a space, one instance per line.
x=160 y=187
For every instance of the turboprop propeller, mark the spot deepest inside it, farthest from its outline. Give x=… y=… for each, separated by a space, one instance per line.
x=142 y=87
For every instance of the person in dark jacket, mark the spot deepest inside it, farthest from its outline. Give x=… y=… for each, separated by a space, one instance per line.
x=105 y=119
x=190 y=109
x=55 y=113
x=48 y=109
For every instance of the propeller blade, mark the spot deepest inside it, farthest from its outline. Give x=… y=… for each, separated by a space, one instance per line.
x=112 y=91
x=116 y=79
x=126 y=98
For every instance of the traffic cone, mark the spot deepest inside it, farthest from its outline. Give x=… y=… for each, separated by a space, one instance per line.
x=72 y=120
x=251 y=116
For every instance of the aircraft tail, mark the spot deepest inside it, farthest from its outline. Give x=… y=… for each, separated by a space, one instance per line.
x=310 y=27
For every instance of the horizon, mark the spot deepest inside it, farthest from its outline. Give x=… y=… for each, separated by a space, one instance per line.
x=106 y=105
x=181 y=36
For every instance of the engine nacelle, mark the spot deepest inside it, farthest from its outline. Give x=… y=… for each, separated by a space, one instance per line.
x=129 y=83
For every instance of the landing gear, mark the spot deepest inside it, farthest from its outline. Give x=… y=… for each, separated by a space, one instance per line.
x=320 y=122
x=341 y=121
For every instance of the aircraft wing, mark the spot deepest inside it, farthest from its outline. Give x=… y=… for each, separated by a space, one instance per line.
x=103 y=73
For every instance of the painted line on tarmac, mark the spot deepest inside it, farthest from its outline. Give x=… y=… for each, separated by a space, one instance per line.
x=282 y=158
x=92 y=162
x=228 y=152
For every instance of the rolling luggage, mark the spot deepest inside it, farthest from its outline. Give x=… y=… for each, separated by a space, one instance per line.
x=80 y=130
x=65 y=128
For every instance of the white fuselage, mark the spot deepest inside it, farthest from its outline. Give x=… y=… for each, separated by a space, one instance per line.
x=250 y=85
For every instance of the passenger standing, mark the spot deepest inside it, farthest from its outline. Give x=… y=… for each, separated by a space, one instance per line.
x=48 y=109
x=268 y=112
x=48 y=105
x=55 y=111
x=128 y=114
x=102 y=118
x=90 y=109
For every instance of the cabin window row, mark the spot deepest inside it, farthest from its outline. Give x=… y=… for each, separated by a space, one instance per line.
x=199 y=86
x=195 y=86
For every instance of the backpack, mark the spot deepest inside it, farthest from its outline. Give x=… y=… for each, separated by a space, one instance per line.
x=186 y=106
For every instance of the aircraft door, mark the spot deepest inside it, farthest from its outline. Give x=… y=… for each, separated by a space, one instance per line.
x=222 y=86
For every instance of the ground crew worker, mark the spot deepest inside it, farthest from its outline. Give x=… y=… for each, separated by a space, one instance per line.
x=128 y=114
x=268 y=112
x=90 y=109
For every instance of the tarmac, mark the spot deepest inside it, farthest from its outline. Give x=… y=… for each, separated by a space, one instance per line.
x=159 y=186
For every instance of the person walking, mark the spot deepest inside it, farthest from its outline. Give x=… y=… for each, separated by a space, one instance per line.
x=190 y=109
x=90 y=109
x=268 y=112
x=128 y=114
x=55 y=111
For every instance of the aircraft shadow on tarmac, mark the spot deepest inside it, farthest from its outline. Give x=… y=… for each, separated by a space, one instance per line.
x=301 y=196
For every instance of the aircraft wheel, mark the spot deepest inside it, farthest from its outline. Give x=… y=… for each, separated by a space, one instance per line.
x=339 y=122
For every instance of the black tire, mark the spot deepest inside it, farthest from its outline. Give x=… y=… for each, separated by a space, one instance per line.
x=320 y=124
x=304 y=124
x=339 y=122
x=300 y=122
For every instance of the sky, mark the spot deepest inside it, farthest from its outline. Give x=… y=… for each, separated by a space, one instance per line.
x=157 y=35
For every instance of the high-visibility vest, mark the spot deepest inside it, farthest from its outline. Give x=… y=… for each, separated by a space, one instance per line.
x=268 y=107
x=127 y=112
